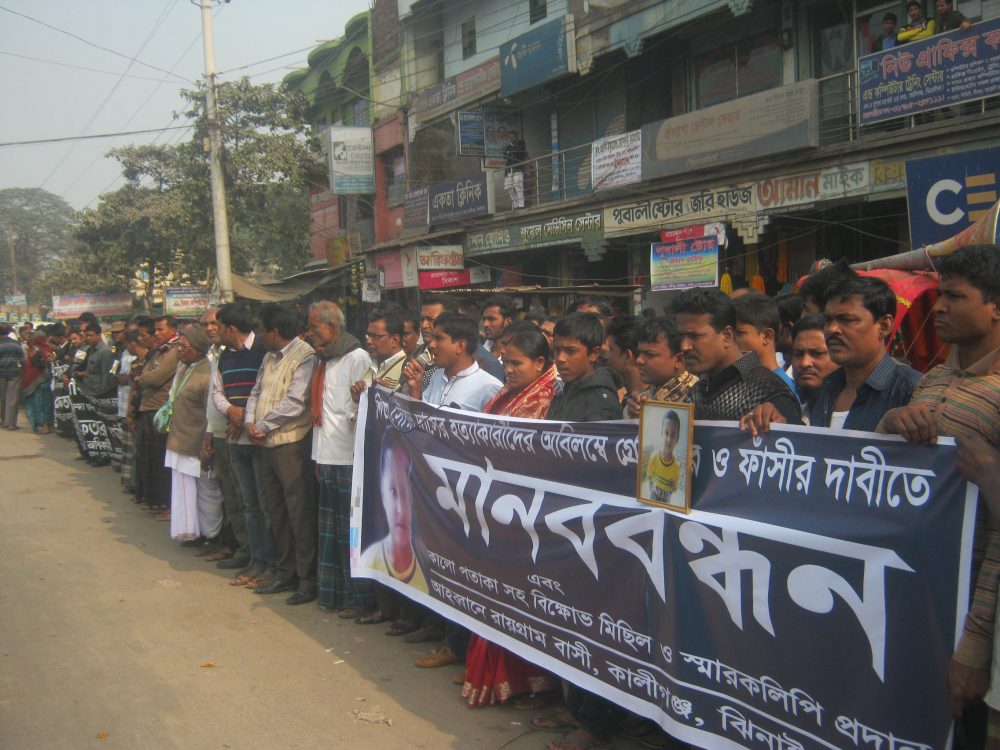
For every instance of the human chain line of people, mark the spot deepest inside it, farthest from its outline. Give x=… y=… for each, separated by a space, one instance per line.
x=239 y=431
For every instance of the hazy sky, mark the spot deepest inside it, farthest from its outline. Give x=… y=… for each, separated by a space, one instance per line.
x=42 y=100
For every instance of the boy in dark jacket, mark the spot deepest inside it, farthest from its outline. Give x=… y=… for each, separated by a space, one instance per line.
x=588 y=394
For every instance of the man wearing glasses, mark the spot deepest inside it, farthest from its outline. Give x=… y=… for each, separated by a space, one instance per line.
x=384 y=342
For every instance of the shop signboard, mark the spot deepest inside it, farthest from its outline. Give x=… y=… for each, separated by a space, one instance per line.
x=185 y=301
x=585 y=228
x=684 y=263
x=771 y=122
x=457 y=90
x=486 y=132
x=440 y=257
x=946 y=194
x=944 y=70
x=616 y=160
x=817 y=186
x=547 y=51
x=65 y=306
x=351 y=160
x=459 y=199
x=735 y=204
x=415 y=209
x=446 y=279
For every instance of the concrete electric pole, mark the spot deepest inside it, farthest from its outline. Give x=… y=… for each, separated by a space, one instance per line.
x=219 y=214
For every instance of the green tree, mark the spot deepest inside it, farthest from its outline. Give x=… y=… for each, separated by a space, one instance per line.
x=160 y=221
x=39 y=225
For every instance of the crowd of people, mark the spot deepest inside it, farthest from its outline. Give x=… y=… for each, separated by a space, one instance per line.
x=239 y=430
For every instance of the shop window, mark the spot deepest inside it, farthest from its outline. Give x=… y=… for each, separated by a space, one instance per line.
x=741 y=68
x=394 y=168
x=468 y=38
x=359 y=112
x=537 y=10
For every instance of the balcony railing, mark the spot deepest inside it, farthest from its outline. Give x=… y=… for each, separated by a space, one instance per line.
x=564 y=175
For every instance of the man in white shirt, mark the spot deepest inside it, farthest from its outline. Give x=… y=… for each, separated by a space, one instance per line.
x=342 y=362
x=459 y=382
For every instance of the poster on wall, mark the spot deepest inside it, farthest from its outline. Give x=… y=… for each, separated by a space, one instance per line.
x=684 y=263
x=616 y=160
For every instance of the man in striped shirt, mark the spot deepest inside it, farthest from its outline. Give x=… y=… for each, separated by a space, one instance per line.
x=961 y=398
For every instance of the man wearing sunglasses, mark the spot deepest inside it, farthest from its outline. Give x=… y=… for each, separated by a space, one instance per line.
x=384 y=342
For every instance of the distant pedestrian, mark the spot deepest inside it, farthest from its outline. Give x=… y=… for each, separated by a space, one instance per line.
x=11 y=369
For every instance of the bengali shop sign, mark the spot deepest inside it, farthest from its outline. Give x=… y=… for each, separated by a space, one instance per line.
x=946 y=69
x=616 y=160
x=771 y=122
x=820 y=576
x=684 y=263
x=821 y=185
x=185 y=301
x=487 y=131
x=586 y=229
x=71 y=305
x=736 y=204
x=474 y=83
x=415 y=208
x=447 y=279
x=351 y=160
x=459 y=199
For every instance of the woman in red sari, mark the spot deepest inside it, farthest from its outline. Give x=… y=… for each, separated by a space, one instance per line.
x=493 y=674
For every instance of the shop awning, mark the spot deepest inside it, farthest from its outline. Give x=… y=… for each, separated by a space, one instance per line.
x=289 y=288
x=614 y=290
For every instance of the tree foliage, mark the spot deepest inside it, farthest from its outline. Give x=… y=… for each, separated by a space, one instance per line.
x=160 y=220
x=40 y=224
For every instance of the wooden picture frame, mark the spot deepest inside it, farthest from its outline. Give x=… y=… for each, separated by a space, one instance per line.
x=655 y=488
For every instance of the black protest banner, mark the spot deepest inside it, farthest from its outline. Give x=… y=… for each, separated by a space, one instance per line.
x=810 y=600
x=91 y=429
x=61 y=404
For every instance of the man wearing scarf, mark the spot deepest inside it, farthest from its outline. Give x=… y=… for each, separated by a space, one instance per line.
x=342 y=361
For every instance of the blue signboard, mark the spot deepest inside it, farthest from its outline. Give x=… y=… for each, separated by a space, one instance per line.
x=535 y=57
x=953 y=67
x=471 y=134
x=458 y=199
x=945 y=194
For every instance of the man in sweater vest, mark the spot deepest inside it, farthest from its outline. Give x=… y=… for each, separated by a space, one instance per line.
x=239 y=365
x=278 y=420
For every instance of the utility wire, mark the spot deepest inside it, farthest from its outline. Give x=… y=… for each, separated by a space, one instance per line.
x=100 y=108
x=72 y=66
x=6 y=144
x=93 y=44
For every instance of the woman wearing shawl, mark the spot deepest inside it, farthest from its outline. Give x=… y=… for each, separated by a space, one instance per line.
x=35 y=385
x=493 y=674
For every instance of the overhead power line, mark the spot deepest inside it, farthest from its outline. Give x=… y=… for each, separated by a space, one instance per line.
x=5 y=144
x=95 y=45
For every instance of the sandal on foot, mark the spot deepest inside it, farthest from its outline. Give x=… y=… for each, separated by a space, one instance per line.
x=534 y=701
x=554 y=724
x=351 y=613
x=244 y=578
x=163 y=515
x=261 y=581
x=401 y=627
x=373 y=618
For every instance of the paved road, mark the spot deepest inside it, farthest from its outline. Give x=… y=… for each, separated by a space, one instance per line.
x=105 y=625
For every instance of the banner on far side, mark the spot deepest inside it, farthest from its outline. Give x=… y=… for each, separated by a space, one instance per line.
x=684 y=263
x=945 y=69
x=820 y=577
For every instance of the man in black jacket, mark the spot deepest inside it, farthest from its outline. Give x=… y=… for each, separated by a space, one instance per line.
x=586 y=393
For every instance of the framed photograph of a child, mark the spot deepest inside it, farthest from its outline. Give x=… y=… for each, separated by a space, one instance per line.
x=666 y=434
